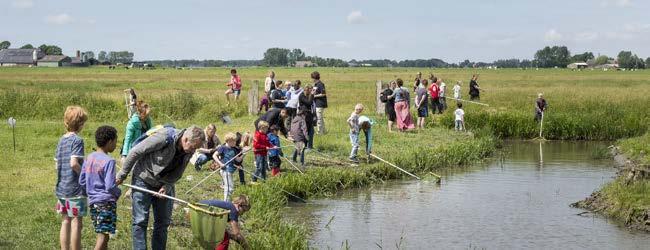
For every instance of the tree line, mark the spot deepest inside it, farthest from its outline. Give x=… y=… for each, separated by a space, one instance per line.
x=103 y=57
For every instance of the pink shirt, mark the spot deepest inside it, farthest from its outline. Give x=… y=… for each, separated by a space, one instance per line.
x=236 y=82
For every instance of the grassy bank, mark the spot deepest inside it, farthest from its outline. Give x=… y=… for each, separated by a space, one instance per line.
x=626 y=198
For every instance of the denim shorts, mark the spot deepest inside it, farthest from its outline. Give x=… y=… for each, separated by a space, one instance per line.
x=104 y=217
x=236 y=91
x=423 y=111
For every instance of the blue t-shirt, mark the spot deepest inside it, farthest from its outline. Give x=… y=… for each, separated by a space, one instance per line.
x=232 y=216
x=275 y=141
x=226 y=154
x=67 y=181
x=98 y=178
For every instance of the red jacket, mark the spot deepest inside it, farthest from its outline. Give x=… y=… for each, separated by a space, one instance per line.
x=261 y=143
x=433 y=91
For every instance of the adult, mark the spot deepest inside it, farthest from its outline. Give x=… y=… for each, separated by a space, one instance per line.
x=421 y=103
x=442 y=86
x=276 y=97
x=158 y=162
x=402 y=107
x=269 y=82
x=139 y=123
x=320 y=100
x=306 y=106
x=274 y=117
x=387 y=98
x=417 y=81
x=434 y=93
x=235 y=209
x=293 y=96
x=540 y=107
x=474 y=89
x=209 y=147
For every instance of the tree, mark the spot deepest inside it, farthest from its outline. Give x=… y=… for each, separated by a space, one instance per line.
x=600 y=60
x=27 y=46
x=276 y=57
x=556 y=56
x=295 y=55
x=89 y=55
x=628 y=60
x=584 y=57
x=5 y=45
x=120 y=57
x=51 y=49
x=647 y=62
x=102 y=56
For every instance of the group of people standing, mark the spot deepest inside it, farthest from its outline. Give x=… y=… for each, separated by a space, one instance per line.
x=430 y=96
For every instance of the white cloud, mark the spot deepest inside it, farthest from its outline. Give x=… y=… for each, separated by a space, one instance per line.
x=586 y=36
x=552 y=36
x=59 y=19
x=356 y=17
x=617 y=3
x=23 y=4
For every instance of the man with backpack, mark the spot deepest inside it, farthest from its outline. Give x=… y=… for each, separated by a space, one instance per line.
x=158 y=160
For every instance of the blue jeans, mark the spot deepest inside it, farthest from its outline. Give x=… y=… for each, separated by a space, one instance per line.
x=299 y=150
x=162 y=215
x=203 y=158
x=242 y=179
x=261 y=164
x=310 y=135
x=354 y=140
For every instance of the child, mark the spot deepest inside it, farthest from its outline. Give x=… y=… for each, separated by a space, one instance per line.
x=457 y=90
x=299 y=135
x=243 y=144
x=237 y=207
x=71 y=200
x=365 y=124
x=460 y=117
x=225 y=158
x=264 y=103
x=353 y=122
x=261 y=145
x=275 y=154
x=234 y=84
x=421 y=103
x=209 y=147
x=98 y=177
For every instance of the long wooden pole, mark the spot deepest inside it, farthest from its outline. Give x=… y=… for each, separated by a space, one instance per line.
x=458 y=99
x=393 y=165
x=156 y=194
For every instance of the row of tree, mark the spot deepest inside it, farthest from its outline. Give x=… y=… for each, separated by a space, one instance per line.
x=103 y=57
x=47 y=49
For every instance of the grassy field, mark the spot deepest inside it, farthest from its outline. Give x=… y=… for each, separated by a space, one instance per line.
x=583 y=105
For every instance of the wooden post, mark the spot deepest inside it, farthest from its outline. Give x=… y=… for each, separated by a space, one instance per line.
x=253 y=101
x=381 y=107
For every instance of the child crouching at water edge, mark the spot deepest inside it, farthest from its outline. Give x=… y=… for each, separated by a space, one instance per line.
x=275 y=154
x=225 y=158
x=98 y=178
x=353 y=122
x=71 y=201
x=261 y=145
x=236 y=208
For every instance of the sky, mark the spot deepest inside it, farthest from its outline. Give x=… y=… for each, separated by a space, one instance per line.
x=478 y=30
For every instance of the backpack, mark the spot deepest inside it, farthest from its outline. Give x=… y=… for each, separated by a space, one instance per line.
x=170 y=130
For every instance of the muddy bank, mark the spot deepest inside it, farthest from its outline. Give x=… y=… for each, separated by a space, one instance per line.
x=606 y=202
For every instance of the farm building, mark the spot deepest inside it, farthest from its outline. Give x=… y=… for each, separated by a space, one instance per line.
x=53 y=61
x=302 y=64
x=20 y=57
x=577 y=65
x=81 y=60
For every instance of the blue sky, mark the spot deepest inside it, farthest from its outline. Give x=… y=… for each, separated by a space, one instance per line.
x=350 y=29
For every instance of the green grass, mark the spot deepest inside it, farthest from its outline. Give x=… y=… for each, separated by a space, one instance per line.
x=627 y=200
x=638 y=148
x=583 y=105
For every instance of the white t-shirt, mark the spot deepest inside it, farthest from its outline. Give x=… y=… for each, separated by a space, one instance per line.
x=459 y=114
x=267 y=84
x=293 y=99
x=443 y=89
x=457 y=92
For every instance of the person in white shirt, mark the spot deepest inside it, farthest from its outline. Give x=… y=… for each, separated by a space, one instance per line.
x=441 y=94
x=460 y=117
x=457 y=90
x=292 y=101
x=269 y=82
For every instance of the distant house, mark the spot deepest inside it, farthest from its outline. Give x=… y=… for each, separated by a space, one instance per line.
x=53 y=61
x=79 y=61
x=607 y=66
x=302 y=64
x=20 y=57
x=577 y=65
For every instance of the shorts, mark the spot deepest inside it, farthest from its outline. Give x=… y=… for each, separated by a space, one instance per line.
x=72 y=207
x=423 y=111
x=274 y=161
x=104 y=217
x=236 y=92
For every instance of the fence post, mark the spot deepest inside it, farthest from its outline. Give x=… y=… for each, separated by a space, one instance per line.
x=253 y=98
x=381 y=107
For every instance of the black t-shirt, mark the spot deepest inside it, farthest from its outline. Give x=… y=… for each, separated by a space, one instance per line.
x=276 y=94
x=321 y=102
x=473 y=91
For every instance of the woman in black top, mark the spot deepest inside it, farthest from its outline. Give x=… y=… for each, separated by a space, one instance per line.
x=386 y=97
x=474 y=89
x=305 y=104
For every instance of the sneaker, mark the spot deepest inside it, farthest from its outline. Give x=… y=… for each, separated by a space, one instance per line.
x=354 y=160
